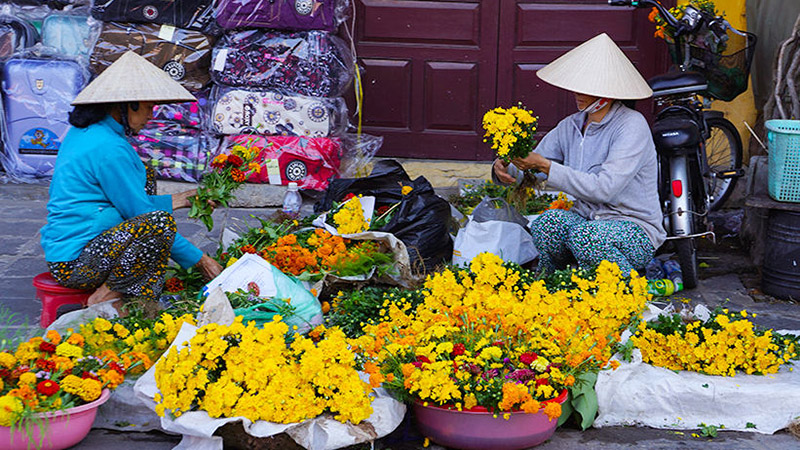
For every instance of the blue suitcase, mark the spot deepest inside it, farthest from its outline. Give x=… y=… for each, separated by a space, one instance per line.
x=69 y=35
x=36 y=98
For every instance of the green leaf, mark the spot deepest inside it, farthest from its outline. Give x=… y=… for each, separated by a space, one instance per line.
x=208 y=221
x=584 y=399
x=750 y=425
x=705 y=385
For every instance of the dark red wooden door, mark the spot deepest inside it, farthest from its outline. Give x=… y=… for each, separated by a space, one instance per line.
x=432 y=68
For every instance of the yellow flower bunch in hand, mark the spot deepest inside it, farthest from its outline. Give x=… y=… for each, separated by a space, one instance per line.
x=511 y=131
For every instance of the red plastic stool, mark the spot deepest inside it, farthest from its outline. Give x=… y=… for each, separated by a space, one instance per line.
x=53 y=295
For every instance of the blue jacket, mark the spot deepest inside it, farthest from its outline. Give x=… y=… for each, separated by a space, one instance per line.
x=98 y=183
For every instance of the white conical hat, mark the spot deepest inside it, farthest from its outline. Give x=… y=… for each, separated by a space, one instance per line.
x=598 y=68
x=133 y=79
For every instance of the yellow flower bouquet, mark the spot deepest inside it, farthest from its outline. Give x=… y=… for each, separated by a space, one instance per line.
x=723 y=344
x=248 y=371
x=511 y=131
x=494 y=337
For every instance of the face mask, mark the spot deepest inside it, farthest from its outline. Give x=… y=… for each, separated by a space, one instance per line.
x=597 y=105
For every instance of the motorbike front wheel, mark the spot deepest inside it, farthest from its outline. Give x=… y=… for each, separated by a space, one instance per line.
x=687 y=258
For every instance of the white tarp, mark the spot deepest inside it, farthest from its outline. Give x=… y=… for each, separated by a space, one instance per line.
x=510 y=241
x=320 y=433
x=641 y=394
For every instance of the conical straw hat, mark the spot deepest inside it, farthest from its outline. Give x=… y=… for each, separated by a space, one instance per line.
x=130 y=79
x=598 y=68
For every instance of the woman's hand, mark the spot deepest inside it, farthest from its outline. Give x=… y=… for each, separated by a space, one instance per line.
x=533 y=161
x=181 y=200
x=208 y=267
x=501 y=171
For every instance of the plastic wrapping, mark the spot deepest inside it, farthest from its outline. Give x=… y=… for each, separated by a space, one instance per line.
x=174 y=151
x=281 y=14
x=16 y=34
x=421 y=220
x=184 y=54
x=37 y=93
x=238 y=111
x=187 y=114
x=312 y=63
x=191 y=14
x=70 y=35
x=359 y=151
x=310 y=162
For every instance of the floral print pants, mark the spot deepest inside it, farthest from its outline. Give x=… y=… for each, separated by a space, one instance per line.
x=130 y=258
x=562 y=235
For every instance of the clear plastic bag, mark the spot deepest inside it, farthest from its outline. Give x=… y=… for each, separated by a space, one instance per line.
x=312 y=63
x=189 y=14
x=37 y=91
x=239 y=111
x=184 y=54
x=175 y=152
x=310 y=162
x=16 y=34
x=282 y=14
x=358 y=153
x=70 y=34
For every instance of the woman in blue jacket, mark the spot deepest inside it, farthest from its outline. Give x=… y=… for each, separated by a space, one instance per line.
x=106 y=229
x=604 y=157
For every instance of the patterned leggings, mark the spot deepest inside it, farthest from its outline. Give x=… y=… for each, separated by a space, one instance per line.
x=130 y=258
x=560 y=235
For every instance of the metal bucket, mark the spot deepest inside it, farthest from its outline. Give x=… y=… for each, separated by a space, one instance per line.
x=781 y=271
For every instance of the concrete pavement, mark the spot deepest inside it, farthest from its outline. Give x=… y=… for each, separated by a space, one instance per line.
x=23 y=212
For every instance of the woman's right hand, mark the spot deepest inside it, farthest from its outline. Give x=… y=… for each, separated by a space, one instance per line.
x=208 y=267
x=501 y=171
x=181 y=200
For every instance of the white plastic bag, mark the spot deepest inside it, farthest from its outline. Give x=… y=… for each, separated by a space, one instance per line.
x=509 y=241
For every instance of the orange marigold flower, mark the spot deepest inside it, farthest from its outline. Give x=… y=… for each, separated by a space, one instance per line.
x=552 y=410
x=653 y=15
x=237 y=175
x=248 y=249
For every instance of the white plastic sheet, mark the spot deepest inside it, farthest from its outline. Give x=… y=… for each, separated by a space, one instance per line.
x=509 y=241
x=320 y=433
x=641 y=394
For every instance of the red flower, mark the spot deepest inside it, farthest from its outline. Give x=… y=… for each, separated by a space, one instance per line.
x=253 y=287
x=47 y=387
x=348 y=197
x=528 y=358
x=458 y=349
x=542 y=381
x=382 y=210
x=86 y=374
x=174 y=284
x=47 y=347
x=5 y=373
x=237 y=175
x=247 y=248
x=113 y=365
x=235 y=160
x=498 y=343
x=421 y=360
x=46 y=364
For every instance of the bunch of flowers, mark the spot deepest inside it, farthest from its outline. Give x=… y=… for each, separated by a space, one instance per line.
x=561 y=202
x=667 y=32
x=216 y=373
x=217 y=186
x=352 y=309
x=511 y=131
x=725 y=343
x=131 y=340
x=54 y=373
x=528 y=202
x=348 y=216
x=491 y=337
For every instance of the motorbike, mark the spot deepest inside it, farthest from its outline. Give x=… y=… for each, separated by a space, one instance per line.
x=699 y=150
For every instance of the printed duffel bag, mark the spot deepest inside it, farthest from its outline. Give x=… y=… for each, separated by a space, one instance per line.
x=240 y=111
x=313 y=63
x=278 y=14
x=184 y=54
x=310 y=162
x=193 y=14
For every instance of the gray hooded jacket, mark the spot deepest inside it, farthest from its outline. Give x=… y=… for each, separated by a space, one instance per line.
x=611 y=169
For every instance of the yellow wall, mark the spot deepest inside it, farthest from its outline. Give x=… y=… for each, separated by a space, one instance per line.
x=742 y=108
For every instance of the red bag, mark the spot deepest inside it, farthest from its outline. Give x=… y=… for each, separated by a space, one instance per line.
x=310 y=162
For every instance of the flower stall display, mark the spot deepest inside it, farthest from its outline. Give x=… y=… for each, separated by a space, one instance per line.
x=511 y=131
x=492 y=337
x=723 y=344
x=351 y=309
x=228 y=173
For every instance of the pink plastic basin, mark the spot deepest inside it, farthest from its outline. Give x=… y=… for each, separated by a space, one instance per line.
x=58 y=430
x=476 y=430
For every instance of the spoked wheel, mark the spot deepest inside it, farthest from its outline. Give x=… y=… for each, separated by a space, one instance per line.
x=724 y=152
x=687 y=258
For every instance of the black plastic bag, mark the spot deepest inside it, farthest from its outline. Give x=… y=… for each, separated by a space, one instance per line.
x=421 y=220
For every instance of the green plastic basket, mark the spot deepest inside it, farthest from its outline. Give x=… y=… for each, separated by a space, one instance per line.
x=783 y=137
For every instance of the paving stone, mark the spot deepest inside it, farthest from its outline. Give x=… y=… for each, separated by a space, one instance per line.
x=24 y=210
x=22 y=229
x=27 y=267
x=10 y=245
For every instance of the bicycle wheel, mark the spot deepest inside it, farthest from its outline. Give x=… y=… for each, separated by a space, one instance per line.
x=723 y=152
x=687 y=258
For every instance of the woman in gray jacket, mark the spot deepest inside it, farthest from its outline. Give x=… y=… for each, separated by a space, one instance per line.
x=603 y=156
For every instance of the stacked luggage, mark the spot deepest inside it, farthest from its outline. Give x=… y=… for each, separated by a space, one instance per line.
x=269 y=74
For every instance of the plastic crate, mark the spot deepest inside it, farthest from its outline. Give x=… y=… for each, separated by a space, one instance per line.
x=783 y=137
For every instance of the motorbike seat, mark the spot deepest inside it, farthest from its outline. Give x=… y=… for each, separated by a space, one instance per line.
x=677 y=83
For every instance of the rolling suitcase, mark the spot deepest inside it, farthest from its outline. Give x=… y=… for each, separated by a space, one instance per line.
x=36 y=98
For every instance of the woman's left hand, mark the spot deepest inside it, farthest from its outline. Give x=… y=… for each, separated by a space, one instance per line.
x=181 y=200
x=533 y=161
x=208 y=267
